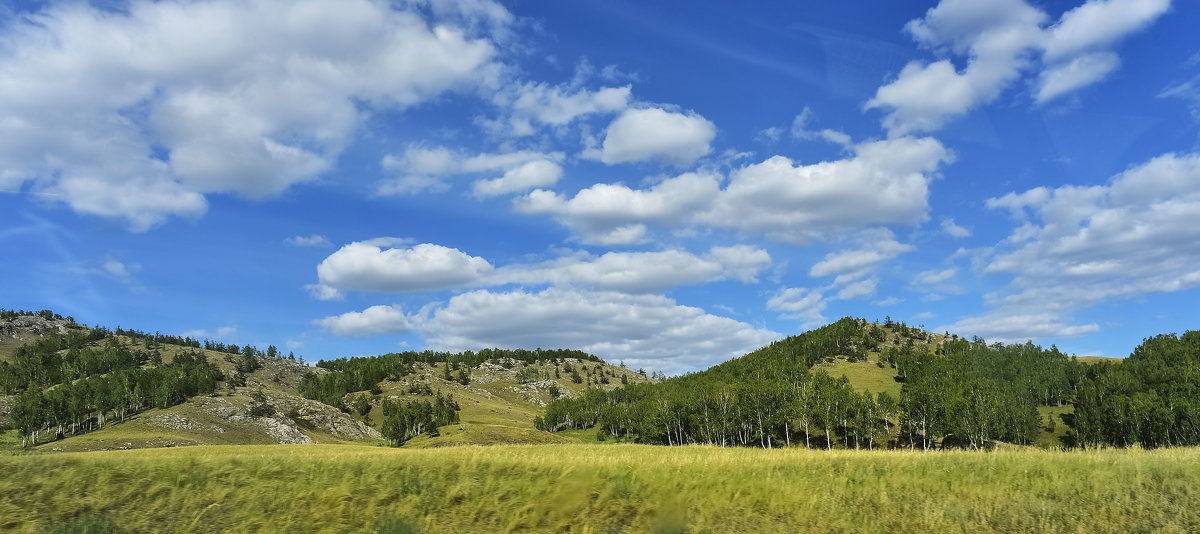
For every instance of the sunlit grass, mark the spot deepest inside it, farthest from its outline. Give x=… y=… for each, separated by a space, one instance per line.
x=865 y=375
x=601 y=488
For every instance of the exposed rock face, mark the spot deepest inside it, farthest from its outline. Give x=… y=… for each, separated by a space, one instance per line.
x=280 y=426
x=30 y=324
x=327 y=417
x=6 y=404
x=283 y=431
x=178 y=422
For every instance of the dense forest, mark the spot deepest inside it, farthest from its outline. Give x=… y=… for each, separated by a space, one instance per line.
x=955 y=393
x=1152 y=398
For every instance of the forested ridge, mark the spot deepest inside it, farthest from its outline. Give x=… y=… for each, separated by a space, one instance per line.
x=64 y=386
x=74 y=382
x=364 y=373
x=404 y=420
x=955 y=393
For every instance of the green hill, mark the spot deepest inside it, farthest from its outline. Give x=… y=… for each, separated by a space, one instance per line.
x=850 y=384
x=257 y=399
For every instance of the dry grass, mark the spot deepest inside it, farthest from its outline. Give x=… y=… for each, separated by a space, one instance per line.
x=600 y=488
x=864 y=375
x=1092 y=360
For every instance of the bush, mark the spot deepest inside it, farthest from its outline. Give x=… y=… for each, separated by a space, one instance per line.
x=261 y=410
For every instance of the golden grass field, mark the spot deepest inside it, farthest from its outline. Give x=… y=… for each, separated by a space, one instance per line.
x=597 y=488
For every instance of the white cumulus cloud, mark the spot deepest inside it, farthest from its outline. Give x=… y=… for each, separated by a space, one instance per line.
x=373 y=321
x=534 y=174
x=654 y=133
x=422 y=168
x=361 y=266
x=615 y=213
x=139 y=113
x=881 y=182
x=640 y=272
x=1002 y=40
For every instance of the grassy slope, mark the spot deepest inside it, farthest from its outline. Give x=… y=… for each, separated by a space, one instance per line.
x=1098 y=359
x=582 y=488
x=495 y=408
x=1052 y=434
x=864 y=375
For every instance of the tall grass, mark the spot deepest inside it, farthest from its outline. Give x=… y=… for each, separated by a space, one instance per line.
x=598 y=488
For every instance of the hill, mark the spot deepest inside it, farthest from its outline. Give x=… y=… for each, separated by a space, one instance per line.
x=256 y=395
x=854 y=384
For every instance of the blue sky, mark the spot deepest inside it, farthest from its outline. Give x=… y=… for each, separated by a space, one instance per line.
x=656 y=183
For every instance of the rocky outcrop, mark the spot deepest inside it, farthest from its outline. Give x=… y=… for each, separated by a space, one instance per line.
x=30 y=325
x=177 y=422
x=327 y=418
x=284 y=426
x=6 y=404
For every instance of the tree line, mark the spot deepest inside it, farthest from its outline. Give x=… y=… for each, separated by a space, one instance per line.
x=8 y=315
x=1152 y=398
x=78 y=381
x=406 y=420
x=77 y=406
x=348 y=375
x=962 y=393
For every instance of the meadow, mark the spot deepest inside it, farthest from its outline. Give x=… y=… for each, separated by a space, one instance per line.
x=597 y=488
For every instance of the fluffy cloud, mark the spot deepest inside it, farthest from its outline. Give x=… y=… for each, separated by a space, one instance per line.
x=538 y=173
x=883 y=182
x=362 y=266
x=653 y=133
x=643 y=330
x=954 y=230
x=641 y=272
x=613 y=213
x=1000 y=39
x=994 y=34
x=138 y=114
x=800 y=303
x=529 y=105
x=426 y=169
x=1078 y=246
x=365 y=266
x=373 y=321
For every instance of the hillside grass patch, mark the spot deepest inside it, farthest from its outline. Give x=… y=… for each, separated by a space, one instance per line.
x=864 y=375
